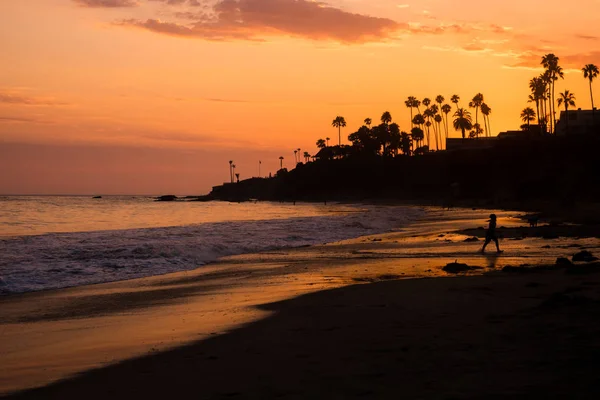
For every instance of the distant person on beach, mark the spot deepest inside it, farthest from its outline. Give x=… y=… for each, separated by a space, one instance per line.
x=491 y=234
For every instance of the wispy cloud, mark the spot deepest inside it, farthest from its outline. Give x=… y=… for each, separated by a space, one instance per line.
x=14 y=98
x=193 y=3
x=217 y=100
x=21 y=120
x=587 y=37
x=570 y=62
x=107 y=3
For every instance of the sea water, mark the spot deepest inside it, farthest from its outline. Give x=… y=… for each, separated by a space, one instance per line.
x=49 y=242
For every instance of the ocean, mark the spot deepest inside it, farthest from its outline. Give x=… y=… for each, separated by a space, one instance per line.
x=51 y=242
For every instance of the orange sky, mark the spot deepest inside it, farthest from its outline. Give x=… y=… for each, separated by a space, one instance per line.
x=155 y=96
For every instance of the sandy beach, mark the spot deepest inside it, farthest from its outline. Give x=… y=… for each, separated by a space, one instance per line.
x=372 y=317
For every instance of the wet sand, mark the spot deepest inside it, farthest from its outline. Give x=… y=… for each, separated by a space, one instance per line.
x=331 y=321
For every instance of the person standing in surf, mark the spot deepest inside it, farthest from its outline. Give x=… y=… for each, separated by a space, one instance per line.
x=491 y=234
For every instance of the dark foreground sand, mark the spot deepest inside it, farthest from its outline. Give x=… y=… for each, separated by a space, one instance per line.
x=504 y=336
x=529 y=334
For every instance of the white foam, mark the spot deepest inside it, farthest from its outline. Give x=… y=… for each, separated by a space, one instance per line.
x=58 y=260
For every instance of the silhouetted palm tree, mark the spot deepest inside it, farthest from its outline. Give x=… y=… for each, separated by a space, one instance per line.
x=306 y=156
x=419 y=121
x=476 y=103
x=546 y=99
x=477 y=130
x=368 y=122
x=568 y=99
x=296 y=156
x=321 y=144
x=417 y=134
x=381 y=134
x=417 y=104
x=410 y=103
x=455 y=99
x=237 y=176
x=446 y=108
x=486 y=111
x=439 y=99
x=280 y=162
x=394 y=138
x=538 y=92
x=527 y=115
x=231 y=170
x=462 y=121
x=386 y=118
x=405 y=143
x=364 y=140
x=550 y=63
x=426 y=102
x=590 y=72
x=327 y=143
x=339 y=122
x=438 y=119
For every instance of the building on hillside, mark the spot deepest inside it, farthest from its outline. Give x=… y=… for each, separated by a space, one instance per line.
x=580 y=122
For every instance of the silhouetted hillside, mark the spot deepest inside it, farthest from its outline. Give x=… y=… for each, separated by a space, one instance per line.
x=560 y=170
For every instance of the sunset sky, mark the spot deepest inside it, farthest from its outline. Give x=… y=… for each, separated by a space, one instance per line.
x=156 y=96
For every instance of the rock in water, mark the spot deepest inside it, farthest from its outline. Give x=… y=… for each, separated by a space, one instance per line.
x=456 y=267
x=585 y=256
x=168 y=197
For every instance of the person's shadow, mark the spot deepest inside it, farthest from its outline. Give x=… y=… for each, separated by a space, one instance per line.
x=492 y=259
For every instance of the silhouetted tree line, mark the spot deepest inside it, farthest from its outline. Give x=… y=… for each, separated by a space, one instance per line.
x=517 y=171
x=377 y=164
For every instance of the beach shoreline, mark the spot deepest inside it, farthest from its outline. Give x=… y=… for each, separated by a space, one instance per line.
x=54 y=335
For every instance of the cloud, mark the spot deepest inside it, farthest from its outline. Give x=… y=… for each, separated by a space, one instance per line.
x=257 y=19
x=11 y=98
x=193 y=3
x=217 y=100
x=532 y=60
x=460 y=28
x=587 y=37
x=20 y=119
x=107 y=3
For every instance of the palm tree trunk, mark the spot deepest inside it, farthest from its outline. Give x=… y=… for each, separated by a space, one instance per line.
x=553 y=124
x=339 y=135
x=537 y=107
x=543 y=113
x=592 y=97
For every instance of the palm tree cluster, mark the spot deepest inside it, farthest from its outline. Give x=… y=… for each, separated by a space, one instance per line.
x=543 y=92
x=388 y=140
x=435 y=118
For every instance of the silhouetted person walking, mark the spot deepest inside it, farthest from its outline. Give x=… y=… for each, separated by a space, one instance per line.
x=491 y=234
